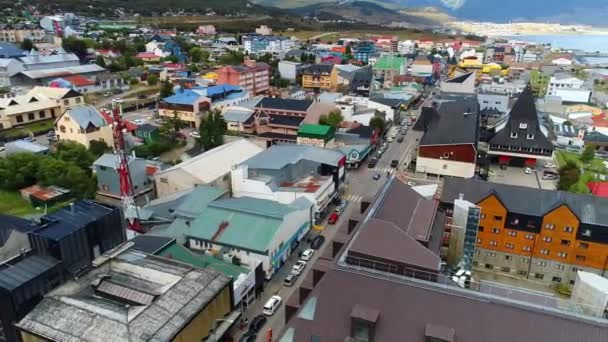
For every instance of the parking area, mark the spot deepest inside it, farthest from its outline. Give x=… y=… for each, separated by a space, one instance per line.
x=517 y=176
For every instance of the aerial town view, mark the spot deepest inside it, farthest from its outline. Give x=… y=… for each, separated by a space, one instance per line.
x=304 y=171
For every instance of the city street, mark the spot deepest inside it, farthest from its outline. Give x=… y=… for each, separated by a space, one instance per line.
x=359 y=184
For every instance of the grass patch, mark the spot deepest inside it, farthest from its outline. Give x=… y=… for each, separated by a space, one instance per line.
x=34 y=127
x=11 y=203
x=596 y=165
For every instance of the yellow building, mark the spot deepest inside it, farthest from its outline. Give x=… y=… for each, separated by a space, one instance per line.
x=495 y=69
x=320 y=77
x=19 y=110
x=65 y=97
x=83 y=124
x=133 y=296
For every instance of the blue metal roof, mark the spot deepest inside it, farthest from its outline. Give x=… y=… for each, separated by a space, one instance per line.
x=23 y=271
x=71 y=219
x=221 y=88
x=183 y=97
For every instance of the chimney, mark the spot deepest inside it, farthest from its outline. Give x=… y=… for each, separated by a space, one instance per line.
x=363 y=321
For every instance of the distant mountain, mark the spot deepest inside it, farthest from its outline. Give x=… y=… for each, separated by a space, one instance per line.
x=592 y=12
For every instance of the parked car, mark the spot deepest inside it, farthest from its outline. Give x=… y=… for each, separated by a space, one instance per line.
x=550 y=166
x=400 y=140
x=298 y=267
x=272 y=305
x=333 y=218
x=117 y=91
x=195 y=134
x=289 y=280
x=142 y=96
x=138 y=121
x=107 y=94
x=527 y=170
x=307 y=254
x=376 y=176
x=180 y=135
x=394 y=163
x=317 y=242
x=249 y=336
x=30 y=139
x=257 y=323
x=372 y=163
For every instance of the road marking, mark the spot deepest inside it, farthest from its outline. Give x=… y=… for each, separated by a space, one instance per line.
x=354 y=198
x=384 y=170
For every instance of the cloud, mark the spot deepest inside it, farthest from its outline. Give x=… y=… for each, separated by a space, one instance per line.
x=453 y=4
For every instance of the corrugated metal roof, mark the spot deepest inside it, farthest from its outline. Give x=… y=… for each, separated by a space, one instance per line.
x=44 y=59
x=184 y=97
x=237 y=115
x=86 y=115
x=70 y=219
x=63 y=71
x=278 y=156
x=198 y=199
x=13 y=276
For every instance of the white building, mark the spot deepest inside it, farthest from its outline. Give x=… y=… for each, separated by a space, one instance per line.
x=212 y=168
x=406 y=47
x=289 y=70
x=8 y=68
x=590 y=294
x=562 y=61
x=284 y=173
x=570 y=89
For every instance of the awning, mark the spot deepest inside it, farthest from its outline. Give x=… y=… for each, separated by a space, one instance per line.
x=530 y=162
x=504 y=159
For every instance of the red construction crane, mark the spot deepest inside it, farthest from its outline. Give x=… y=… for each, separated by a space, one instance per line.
x=122 y=167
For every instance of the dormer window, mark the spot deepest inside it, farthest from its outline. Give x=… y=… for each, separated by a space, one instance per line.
x=523 y=125
x=530 y=136
x=514 y=135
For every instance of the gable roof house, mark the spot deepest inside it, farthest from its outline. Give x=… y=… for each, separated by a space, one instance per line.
x=277 y=120
x=522 y=139
x=23 y=109
x=83 y=124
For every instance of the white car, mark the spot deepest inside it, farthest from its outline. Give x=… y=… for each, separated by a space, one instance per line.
x=298 y=267
x=307 y=254
x=138 y=121
x=272 y=305
x=550 y=166
x=195 y=134
x=527 y=170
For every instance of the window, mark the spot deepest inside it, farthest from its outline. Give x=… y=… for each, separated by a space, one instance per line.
x=512 y=233
x=446 y=155
x=547 y=238
x=78 y=100
x=62 y=129
x=583 y=245
x=514 y=135
x=515 y=222
x=19 y=118
x=475 y=263
x=509 y=245
x=572 y=282
x=480 y=229
x=522 y=273
x=477 y=252
x=489 y=266
x=495 y=230
x=164 y=180
x=549 y=226
x=525 y=260
x=568 y=229
x=565 y=242
x=505 y=269
x=587 y=232
x=529 y=236
x=478 y=240
x=580 y=258
x=562 y=254
x=539 y=276
x=41 y=114
x=508 y=257
x=544 y=251
x=498 y=218
x=526 y=248
x=523 y=125
x=530 y=136
x=493 y=243
x=482 y=216
x=557 y=279
x=66 y=102
x=542 y=263
x=559 y=267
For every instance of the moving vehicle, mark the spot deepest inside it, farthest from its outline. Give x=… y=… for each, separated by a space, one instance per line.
x=333 y=218
x=289 y=280
x=372 y=163
x=317 y=242
x=257 y=323
x=394 y=163
x=249 y=336
x=307 y=254
x=400 y=140
x=298 y=267
x=272 y=305
x=376 y=176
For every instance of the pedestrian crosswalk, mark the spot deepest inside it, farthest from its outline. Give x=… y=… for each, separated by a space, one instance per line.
x=384 y=170
x=353 y=198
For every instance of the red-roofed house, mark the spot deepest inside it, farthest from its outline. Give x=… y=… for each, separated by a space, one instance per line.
x=599 y=189
x=331 y=60
x=149 y=57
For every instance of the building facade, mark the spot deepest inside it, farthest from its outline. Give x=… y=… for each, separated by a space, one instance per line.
x=83 y=124
x=320 y=77
x=27 y=108
x=253 y=76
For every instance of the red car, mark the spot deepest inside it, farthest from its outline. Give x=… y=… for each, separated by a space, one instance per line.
x=333 y=218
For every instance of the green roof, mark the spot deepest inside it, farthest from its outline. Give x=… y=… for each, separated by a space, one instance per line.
x=198 y=199
x=317 y=131
x=252 y=222
x=182 y=254
x=390 y=63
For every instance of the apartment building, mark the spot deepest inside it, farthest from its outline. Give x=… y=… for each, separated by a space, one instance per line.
x=320 y=77
x=255 y=43
x=254 y=77
x=19 y=32
x=24 y=109
x=541 y=235
x=569 y=88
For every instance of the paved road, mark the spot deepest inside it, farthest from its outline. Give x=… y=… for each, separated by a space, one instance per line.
x=359 y=184
x=321 y=35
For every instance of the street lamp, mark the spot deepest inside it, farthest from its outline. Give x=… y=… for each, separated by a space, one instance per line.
x=215 y=325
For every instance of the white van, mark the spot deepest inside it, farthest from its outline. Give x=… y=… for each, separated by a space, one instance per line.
x=272 y=305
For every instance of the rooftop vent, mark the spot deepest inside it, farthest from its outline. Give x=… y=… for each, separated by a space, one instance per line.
x=438 y=333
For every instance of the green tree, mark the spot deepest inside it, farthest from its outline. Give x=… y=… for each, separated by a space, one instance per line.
x=98 y=147
x=99 y=60
x=166 y=89
x=76 y=153
x=212 y=130
x=18 y=170
x=569 y=175
x=377 y=122
x=27 y=44
x=152 y=80
x=76 y=46
x=567 y=123
x=171 y=59
x=334 y=118
x=588 y=153
x=348 y=50
x=171 y=126
x=196 y=54
x=106 y=44
x=67 y=175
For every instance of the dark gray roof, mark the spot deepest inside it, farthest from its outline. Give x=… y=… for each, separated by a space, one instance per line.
x=523 y=114
x=8 y=224
x=284 y=104
x=151 y=244
x=317 y=69
x=361 y=78
x=70 y=219
x=461 y=78
x=147 y=128
x=455 y=122
x=286 y=120
x=23 y=271
x=407 y=306
x=393 y=103
x=596 y=137
x=529 y=201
